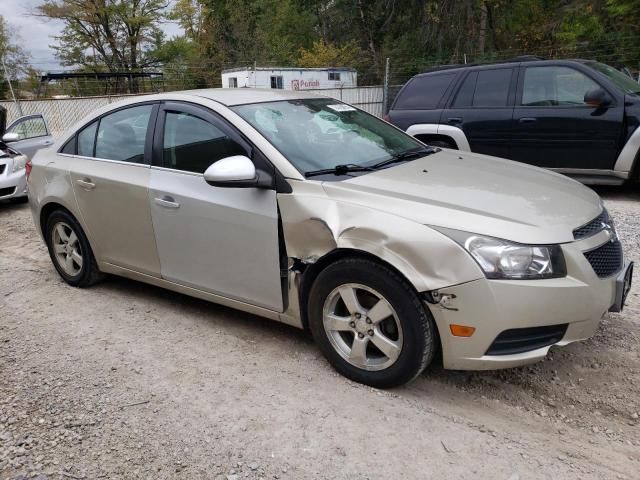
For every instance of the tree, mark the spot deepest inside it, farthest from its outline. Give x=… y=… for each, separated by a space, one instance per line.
x=116 y=35
x=125 y=35
x=323 y=54
x=190 y=15
x=11 y=53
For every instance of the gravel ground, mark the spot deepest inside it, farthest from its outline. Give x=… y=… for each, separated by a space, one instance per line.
x=125 y=380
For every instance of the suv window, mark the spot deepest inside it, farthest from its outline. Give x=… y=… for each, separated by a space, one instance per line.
x=424 y=92
x=193 y=144
x=464 y=97
x=121 y=135
x=549 y=86
x=485 y=88
x=30 y=127
x=492 y=88
x=628 y=84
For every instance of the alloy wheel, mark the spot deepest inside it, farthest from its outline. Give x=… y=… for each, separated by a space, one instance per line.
x=67 y=249
x=362 y=327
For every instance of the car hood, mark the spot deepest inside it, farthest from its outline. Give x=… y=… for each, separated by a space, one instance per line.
x=478 y=194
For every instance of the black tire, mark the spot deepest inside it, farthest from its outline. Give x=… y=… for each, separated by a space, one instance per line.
x=417 y=325
x=88 y=273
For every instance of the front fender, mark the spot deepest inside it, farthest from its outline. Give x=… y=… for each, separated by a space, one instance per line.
x=314 y=226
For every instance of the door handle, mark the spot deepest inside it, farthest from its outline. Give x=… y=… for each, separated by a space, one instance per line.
x=528 y=120
x=454 y=120
x=167 y=202
x=86 y=183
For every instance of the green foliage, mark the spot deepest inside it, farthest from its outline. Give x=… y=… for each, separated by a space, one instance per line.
x=323 y=54
x=15 y=59
x=126 y=34
x=116 y=35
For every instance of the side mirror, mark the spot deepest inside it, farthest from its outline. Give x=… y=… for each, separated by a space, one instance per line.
x=597 y=97
x=10 y=137
x=237 y=171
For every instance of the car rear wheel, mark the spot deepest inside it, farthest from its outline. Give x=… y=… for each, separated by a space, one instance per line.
x=70 y=251
x=370 y=324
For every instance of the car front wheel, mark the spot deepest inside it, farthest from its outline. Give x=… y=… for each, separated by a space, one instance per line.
x=370 y=324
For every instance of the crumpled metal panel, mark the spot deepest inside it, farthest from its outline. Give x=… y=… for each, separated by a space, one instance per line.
x=315 y=224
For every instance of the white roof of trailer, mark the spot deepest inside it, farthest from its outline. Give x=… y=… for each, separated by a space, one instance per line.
x=289 y=69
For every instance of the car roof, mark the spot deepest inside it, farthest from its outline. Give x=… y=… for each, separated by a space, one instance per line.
x=506 y=63
x=239 y=96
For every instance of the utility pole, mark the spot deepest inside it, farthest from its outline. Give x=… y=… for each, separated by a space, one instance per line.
x=385 y=88
x=13 y=95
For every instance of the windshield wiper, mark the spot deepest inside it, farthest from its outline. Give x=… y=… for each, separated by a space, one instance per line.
x=401 y=157
x=339 y=170
x=352 y=167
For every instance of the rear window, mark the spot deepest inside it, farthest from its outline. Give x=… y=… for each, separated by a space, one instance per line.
x=424 y=92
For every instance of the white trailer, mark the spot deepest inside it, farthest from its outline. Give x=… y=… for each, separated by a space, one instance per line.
x=289 y=78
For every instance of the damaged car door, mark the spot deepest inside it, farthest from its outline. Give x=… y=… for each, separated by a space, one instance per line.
x=220 y=239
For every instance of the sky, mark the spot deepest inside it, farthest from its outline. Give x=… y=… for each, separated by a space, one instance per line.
x=35 y=34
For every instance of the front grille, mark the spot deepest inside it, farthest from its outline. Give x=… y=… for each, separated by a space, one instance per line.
x=2 y=167
x=520 y=340
x=7 y=191
x=607 y=259
x=593 y=227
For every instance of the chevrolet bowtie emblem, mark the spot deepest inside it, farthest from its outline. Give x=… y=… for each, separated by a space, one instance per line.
x=610 y=230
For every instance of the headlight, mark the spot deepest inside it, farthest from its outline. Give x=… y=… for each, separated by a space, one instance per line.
x=501 y=259
x=19 y=162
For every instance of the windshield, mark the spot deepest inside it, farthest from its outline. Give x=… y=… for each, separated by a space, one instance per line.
x=321 y=133
x=626 y=83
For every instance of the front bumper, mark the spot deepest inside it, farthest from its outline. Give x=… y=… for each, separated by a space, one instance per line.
x=12 y=184
x=578 y=301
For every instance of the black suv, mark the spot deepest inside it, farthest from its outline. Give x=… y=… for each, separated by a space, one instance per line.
x=578 y=117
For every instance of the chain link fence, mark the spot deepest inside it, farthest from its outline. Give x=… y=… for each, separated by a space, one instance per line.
x=61 y=113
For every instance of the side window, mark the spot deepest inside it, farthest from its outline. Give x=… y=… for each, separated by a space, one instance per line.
x=87 y=140
x=31 y=127
x=277 y=82
x=193 y=144
x=69 y=147
x=549 y=86
x=121 y=135
x=424 y=92
x=464 y=97
x=492 y=88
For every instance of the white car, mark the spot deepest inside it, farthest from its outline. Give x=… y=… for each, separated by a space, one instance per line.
x=306 y=210
x=13 y=179
x=21 y=140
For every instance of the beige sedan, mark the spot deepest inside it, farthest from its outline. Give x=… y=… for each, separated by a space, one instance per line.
x=305 y=210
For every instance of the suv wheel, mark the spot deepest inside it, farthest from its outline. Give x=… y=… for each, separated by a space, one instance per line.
x=370 y=324
x=70 y=251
